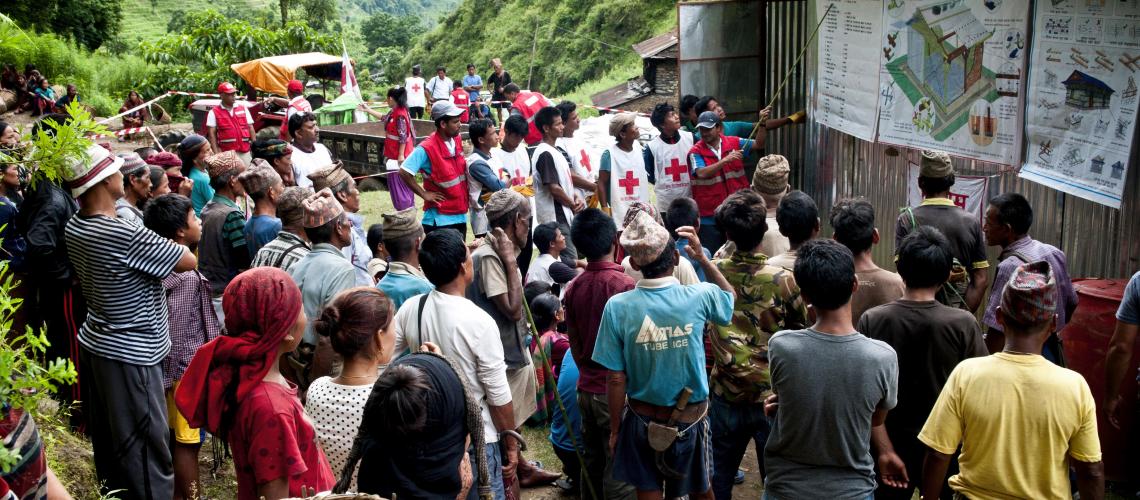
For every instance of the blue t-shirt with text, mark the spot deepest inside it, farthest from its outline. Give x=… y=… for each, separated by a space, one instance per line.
x=655 y=334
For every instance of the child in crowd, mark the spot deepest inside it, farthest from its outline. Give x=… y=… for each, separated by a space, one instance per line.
x=359 y=323
x=378 y=266
x=192 y=323
x=234 y=388
x=550 y=242
x=265 y=187
x=547 y=351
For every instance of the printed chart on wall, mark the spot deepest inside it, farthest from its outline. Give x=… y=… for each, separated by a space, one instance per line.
x=952 y=74
x=1082 y=96
x=847 y=48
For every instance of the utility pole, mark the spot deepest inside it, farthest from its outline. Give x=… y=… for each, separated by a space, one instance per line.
x=533 y=46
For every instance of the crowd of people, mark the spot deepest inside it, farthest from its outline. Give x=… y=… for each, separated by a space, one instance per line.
x=232 y=289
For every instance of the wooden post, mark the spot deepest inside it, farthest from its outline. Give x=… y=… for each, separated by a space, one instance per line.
x=533 y=46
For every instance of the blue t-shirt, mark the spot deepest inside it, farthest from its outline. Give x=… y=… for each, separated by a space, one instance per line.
x=418 y=162
x=698 y=162
x=469 y=80
x=568 y=390
x=400 y=287
x=1129 y=311
x=202 y=193
x=655 y=334
x=259 y=230
x=684 y=242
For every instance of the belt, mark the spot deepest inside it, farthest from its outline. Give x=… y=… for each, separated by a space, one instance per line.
x=690 y=414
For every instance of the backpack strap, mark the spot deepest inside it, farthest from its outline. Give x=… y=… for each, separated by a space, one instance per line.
x=419 y=323
x=281 y=258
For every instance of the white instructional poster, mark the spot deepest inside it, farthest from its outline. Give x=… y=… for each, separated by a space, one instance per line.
x=1082 y=99
x=848 y=88
x=968 y=192
x=952 y=76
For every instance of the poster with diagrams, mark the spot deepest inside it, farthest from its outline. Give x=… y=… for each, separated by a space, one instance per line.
x=848 y=38
x=1082 y=97
x=952 y=76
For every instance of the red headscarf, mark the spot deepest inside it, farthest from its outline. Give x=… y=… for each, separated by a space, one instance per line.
x=261 y=307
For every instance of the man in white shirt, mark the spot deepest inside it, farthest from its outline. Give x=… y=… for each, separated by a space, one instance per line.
x=580 y=165
x=417 y=99
x=439 y=87
x=554 y=194
x=469 y=337
x=308 y=154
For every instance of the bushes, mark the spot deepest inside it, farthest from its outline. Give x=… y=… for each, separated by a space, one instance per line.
x=103 y=79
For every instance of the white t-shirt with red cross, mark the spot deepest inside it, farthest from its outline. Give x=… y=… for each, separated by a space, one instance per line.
x=670 y=169
x=628 y=180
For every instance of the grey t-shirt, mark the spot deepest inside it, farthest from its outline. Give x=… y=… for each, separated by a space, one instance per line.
x=829 y=386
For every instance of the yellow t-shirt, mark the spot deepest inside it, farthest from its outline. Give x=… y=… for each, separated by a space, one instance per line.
x=1018 y=418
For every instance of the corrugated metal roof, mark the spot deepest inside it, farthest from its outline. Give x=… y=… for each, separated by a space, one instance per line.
x=620 y=94
x=656 y=45
x=1080 y=78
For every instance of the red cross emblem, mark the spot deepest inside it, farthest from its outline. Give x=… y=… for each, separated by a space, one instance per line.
x=416 y=87
x=586 y=161
x=675 y=169
x=629 y=183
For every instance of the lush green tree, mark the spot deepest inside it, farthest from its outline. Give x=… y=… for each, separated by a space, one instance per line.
x=88 y=23
x=319 y=13
x=386 y=30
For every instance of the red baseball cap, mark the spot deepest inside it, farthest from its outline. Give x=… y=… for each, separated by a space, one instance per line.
x=226 y=88
x=295 y=86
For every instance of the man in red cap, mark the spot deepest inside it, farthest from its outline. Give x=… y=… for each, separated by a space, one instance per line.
x=295 y=104
x=230 y=125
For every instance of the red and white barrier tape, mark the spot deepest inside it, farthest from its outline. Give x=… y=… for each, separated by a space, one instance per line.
x=599 y=108
x=193 y=94
x=121 y=133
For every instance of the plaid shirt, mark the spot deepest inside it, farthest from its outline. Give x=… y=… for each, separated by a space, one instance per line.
x=282 y=252
x=192 y=321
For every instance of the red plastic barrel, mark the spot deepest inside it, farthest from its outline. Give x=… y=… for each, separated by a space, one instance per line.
x=1086 y=340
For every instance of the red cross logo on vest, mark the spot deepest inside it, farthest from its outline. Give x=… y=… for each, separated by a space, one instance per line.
x=675 y=169
x=629 y=183
x=586 y=161
x=416 y=87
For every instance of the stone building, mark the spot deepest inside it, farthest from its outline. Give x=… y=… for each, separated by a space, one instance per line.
x=658 y=81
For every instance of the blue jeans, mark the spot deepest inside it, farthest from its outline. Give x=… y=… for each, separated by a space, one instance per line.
x=494 y=469
x=733 y=425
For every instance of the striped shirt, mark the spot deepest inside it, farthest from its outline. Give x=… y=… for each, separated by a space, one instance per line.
x=282 y=252
x=120 y=267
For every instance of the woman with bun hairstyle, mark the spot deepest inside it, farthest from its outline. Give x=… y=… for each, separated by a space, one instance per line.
x=358 y=322
x=234 y=389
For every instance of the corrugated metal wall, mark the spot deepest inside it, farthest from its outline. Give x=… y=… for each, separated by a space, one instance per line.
x=1099 y=241
x=787 y=29
x=828 y=165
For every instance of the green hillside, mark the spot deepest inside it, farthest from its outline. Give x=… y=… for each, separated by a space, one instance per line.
x=142 y=22
x=575 y=42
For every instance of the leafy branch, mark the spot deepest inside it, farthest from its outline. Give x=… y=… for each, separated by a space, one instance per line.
x=54 y=147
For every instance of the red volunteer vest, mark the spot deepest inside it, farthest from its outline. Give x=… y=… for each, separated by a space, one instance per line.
x=232 y=130
x=709 y=193
x=391 y=145
x=448 y=175
x=462 y=100
x=528 y=104
x=298 y=105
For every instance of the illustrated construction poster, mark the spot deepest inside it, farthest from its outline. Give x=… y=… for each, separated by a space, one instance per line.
x=952 y=75
x=848 y=41
x=1082 y=97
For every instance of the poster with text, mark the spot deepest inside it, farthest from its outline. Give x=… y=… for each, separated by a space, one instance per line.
x=952 y=76
x=848 y=66
x=1082 y=97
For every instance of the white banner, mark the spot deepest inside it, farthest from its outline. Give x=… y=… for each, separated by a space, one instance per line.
x=848 y=45
x=952 y=76
x=1082 y=98
x=968 y=192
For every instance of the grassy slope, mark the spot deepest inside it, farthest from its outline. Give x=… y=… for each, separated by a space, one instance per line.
x=140 y=21
x=578 y=41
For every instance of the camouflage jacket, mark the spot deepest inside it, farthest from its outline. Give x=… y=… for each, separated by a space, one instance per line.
x=767 y=301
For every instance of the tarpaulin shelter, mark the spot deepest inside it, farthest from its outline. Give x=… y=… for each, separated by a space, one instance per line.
x=272 y=74
x=340 y=111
